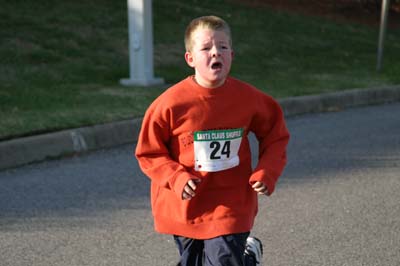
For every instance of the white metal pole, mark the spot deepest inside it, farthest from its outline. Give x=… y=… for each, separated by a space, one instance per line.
x=141 y=68
x=382 y=32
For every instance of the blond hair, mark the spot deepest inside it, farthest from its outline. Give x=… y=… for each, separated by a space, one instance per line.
x=206 y=22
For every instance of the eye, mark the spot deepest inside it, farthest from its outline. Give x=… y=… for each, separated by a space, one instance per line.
x=224 y=46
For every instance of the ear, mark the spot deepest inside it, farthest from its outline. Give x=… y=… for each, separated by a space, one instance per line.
x=189 y=59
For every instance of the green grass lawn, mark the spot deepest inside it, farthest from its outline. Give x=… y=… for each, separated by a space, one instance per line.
x=61 y=61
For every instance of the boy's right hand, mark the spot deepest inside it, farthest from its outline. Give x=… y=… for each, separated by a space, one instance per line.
x=190 y=188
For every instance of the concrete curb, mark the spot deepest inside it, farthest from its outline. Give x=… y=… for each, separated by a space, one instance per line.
x=339 y=100
x=22 y=151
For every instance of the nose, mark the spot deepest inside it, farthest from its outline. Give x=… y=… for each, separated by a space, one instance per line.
x=215 y=52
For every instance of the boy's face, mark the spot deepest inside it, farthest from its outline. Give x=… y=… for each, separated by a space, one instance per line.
x=210 y=56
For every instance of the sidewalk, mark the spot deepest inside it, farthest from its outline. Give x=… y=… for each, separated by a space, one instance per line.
x=17 y=152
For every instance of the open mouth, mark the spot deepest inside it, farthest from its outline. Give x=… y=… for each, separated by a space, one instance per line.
x=216 y=66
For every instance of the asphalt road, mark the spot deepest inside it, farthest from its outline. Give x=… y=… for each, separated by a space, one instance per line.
x=338 y=202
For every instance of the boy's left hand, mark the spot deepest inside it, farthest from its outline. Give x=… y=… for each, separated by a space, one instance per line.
x=260 y=188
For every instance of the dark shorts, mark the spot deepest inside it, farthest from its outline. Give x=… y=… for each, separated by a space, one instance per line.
x=227 y=250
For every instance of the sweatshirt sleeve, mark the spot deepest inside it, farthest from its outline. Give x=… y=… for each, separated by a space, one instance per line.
x=270 y=129
x=153 y=154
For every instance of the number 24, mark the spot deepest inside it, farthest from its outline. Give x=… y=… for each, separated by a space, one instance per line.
x=216 y=147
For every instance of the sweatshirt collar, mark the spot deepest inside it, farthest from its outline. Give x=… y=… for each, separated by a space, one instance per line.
x=208 y=91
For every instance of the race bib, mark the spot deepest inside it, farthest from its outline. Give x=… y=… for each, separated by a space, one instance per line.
x=217 y=150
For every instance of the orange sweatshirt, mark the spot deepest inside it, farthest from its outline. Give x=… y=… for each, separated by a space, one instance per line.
x=193 y=132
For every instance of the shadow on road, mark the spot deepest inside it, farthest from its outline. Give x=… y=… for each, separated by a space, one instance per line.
x=83 y=186
x=349 y=141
